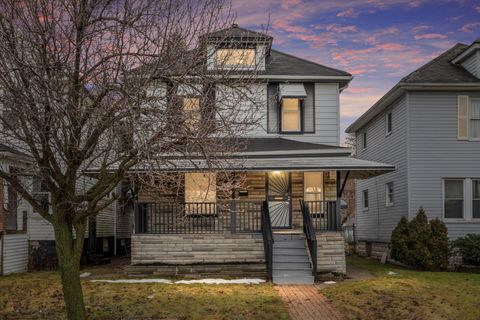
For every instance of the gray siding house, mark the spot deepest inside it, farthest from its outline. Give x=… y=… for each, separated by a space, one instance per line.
x=283 y=221
x=428 y=126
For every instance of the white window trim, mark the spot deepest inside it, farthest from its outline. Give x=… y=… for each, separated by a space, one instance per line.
x=465 y=213
x=363 y=200
x=387 y=133
x=387 y=203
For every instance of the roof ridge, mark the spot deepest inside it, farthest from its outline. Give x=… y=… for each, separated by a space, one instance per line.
x=429 y=63
x=312 y=62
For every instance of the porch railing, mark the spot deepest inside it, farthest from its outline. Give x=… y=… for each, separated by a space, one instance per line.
x=268 y=239
x=310 y=235
x=171 y=217
x=323 y=214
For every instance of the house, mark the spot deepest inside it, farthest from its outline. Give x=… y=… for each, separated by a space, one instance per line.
x=428 y=126
x=27 y=241
x=283 y=219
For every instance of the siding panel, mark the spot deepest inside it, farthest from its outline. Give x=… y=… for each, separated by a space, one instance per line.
x=15 y=253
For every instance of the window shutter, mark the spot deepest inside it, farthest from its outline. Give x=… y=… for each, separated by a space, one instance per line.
x=462 y=117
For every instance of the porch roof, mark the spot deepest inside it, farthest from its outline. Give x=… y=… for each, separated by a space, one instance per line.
x=359 y=169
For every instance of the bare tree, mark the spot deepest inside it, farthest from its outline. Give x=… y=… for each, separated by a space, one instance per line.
x=351 y=142
x=92 y=86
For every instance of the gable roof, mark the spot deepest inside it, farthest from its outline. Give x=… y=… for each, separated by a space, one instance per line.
x=235 y=32
x=436 y=73
x=442 y=70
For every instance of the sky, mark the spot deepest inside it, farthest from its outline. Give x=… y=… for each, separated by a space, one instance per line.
x=378 y=41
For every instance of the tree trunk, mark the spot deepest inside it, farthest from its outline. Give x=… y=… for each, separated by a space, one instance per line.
x=69 y=253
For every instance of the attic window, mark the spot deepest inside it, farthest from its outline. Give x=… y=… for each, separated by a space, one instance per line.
x=236 y=57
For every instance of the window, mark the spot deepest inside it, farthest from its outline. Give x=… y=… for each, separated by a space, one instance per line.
x=389 y=194
x=191 y=112
x=200 y=187
x=291 y=115
x=365 y=199
x=40 y=192
x=476 y=199
x=453 y=199
x=475 y=118
x=364 y=140
x=10 y=205
x=389 y=123
x=313 y=186
x=236 y=57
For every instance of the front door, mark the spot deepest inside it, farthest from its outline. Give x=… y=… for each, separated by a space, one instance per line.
x=279 y=199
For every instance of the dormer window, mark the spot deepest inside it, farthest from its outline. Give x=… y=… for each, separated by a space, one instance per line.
x=236 y=57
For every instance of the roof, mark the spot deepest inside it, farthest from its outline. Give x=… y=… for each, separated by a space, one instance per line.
x=438 y=72
x=281 y=63
x=6 y=149
x=235 y=32
x=442 y=70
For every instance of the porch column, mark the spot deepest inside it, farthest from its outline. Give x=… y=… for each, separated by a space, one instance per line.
x=338 y=218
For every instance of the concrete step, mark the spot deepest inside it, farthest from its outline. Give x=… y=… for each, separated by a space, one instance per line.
x=294 y=280
x=300 y=244
x=287 y=237
x=291 y=265
x=290 y=252
x=292 y=273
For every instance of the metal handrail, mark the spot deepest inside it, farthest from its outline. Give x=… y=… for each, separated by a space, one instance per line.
x=268 y=240
x=310 y=235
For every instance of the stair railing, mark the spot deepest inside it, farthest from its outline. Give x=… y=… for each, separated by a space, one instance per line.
x=267 y=238
x=310 y=235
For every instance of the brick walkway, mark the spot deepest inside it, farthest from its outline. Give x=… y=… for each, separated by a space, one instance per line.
x=304 y=302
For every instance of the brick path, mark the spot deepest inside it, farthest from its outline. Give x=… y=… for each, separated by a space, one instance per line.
x=304 y=302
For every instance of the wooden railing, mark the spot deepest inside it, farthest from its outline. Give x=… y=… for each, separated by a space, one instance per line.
x=172 y=217
x=268 y=240
x=323 y=214
x=310 y=235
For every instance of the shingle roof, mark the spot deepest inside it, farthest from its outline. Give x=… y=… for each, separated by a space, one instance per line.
x=235 y=32
x=442 y=70
x=280 y=63
x=282 y=144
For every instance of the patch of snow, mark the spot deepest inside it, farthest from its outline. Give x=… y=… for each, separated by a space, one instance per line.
x=222 y=281
x=135 y=281
x=150 y=297
x=391 y=273
x=197 y=281
x=85 y=274
x=329 y=282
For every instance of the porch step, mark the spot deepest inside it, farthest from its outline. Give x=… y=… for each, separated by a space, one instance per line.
x=291 y=264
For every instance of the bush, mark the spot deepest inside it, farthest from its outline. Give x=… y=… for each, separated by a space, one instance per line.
x=420 y=244
x=469 y=248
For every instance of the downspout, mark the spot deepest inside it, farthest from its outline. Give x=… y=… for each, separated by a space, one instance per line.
x=115 y=228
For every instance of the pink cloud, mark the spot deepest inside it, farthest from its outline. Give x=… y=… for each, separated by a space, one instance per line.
x=415 y=4
x=348 y=13
x=359 y=90
x=420 y=28
x=470 y=27
x=429 y=36
x=477 y=8
x=287 y=26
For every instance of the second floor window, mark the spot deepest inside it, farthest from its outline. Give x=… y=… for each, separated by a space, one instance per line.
x=234 y=57
x=389 y=194
x=291 y=115
x=475 y=118
x=191 y=112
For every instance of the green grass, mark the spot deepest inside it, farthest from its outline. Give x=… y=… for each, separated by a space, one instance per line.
x=407 y=295
x=38 y=296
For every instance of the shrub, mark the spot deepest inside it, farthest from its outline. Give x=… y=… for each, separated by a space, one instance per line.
x=420 y=244
x=469 y=248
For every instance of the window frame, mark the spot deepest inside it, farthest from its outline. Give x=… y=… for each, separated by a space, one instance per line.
x=464 y=218
x=389 y=203
x=301 y=102
x=364 y=140
x=365 y=196
x=470 y=118
x=388 y=123
x=322 y=191
x=474 y=199
x=192 y=125
x=239 y=66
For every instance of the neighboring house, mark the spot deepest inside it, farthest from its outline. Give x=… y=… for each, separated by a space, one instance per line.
x=27 y=241
x=199 y=227
x=428 y=126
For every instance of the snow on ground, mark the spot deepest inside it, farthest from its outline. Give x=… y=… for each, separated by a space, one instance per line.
x=197 y=281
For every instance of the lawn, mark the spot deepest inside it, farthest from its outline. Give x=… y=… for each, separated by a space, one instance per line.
x=407 y=295
x=38 y=296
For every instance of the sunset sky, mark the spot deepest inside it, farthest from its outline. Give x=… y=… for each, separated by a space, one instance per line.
x=377 y=41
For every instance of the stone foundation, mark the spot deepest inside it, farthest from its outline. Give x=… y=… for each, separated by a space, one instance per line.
x=188 y=249
x=372 y=249
x=331 y=253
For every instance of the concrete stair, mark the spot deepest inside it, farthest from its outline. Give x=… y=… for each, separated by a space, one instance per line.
x=291 y=264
